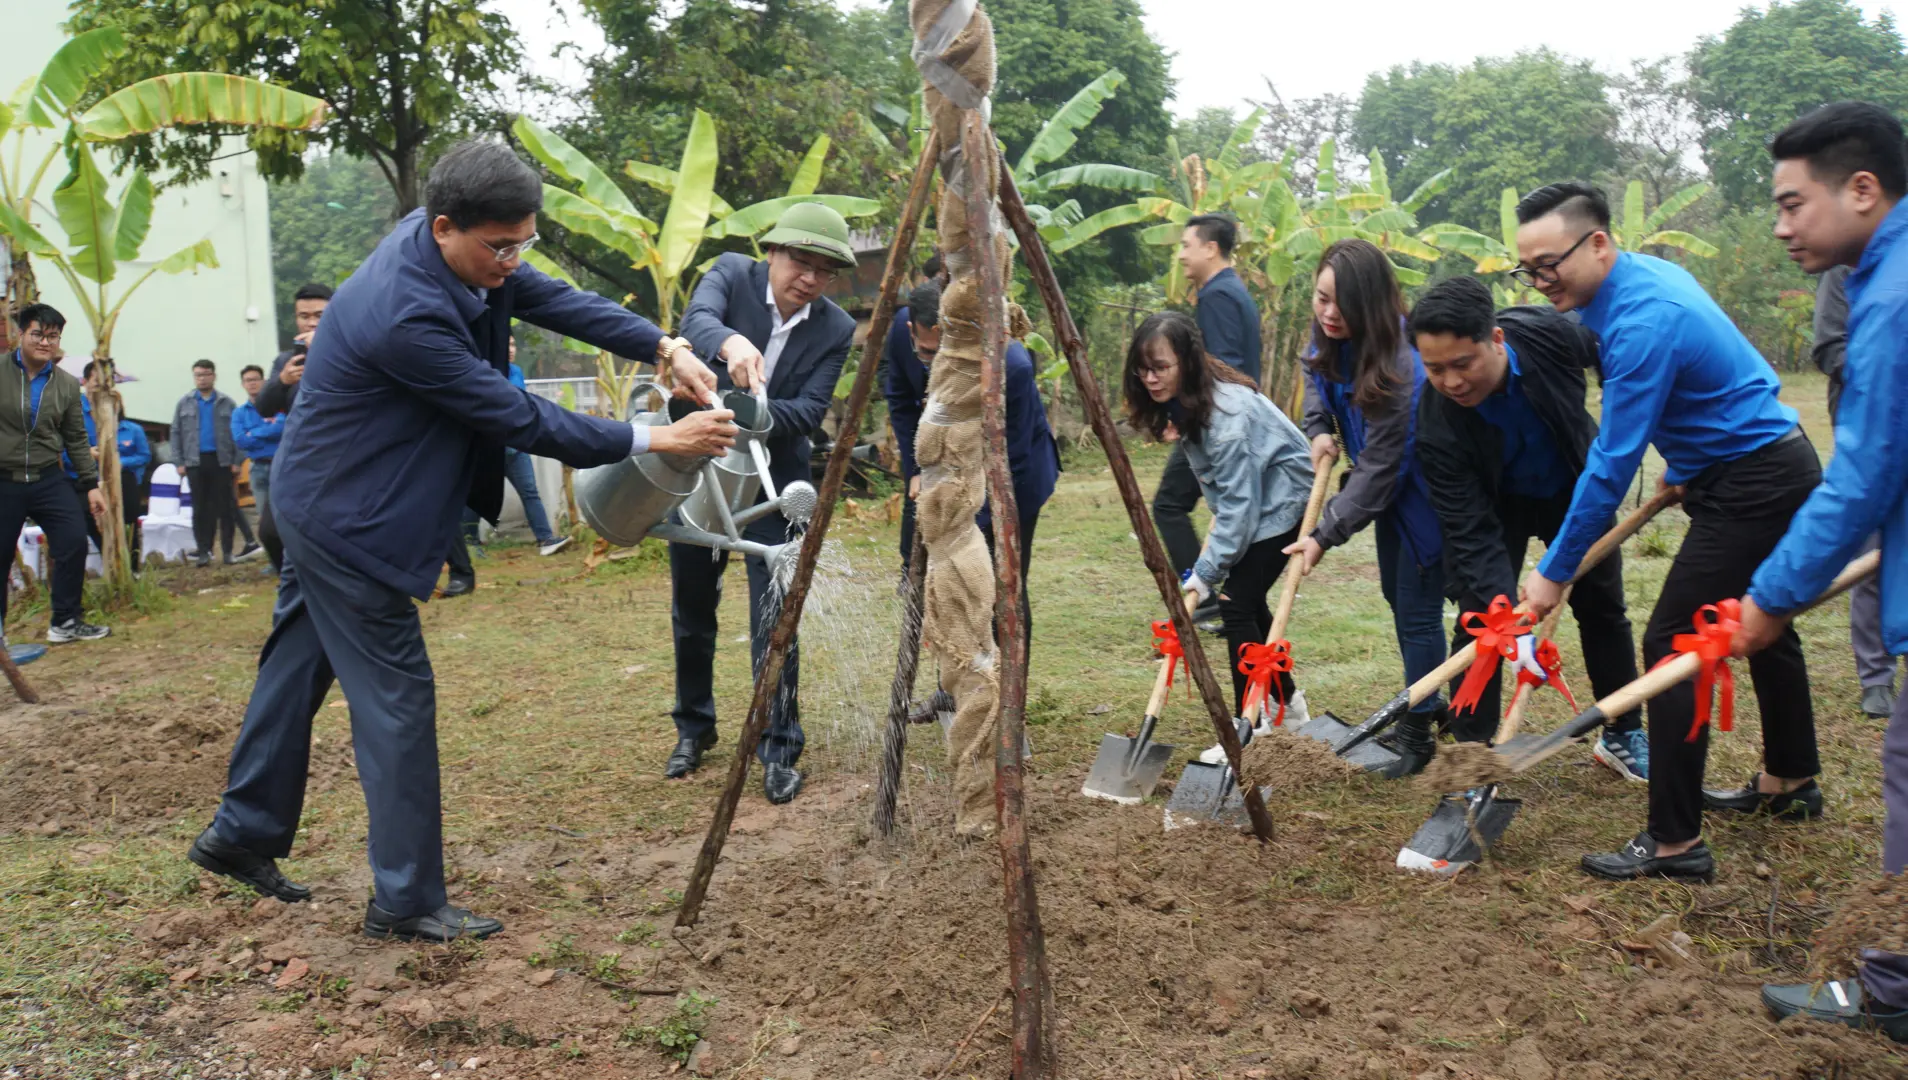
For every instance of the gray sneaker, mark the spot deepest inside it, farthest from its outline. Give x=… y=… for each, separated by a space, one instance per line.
x=76 y=630
x=1878 y=701
x=554 y=546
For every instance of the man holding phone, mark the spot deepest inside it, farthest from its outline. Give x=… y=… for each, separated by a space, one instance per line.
x=281 y=386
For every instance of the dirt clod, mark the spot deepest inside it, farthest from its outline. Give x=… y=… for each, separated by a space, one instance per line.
x=1286 y=761
x=1462 y=767
x=1309 y=1005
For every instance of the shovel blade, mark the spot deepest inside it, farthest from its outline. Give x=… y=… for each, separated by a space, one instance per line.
x=1205 y=794
x=1112 y=779
x=1332 y=731
x=1445 y=843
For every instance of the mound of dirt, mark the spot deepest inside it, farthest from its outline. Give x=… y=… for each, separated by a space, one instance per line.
x=1874 y=915
x=1463 y=766
x=1286 y=761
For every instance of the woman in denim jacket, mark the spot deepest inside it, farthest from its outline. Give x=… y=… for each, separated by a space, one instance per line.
x=1253 y=467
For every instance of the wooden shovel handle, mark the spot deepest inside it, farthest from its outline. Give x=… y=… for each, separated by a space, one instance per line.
x=1158 y=701
x=1608 y=542
x=1514 y=717
x=1288 y=590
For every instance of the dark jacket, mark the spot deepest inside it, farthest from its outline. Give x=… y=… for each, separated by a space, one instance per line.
x=1229 y=322
x=185 y=431
x=904 y=384
x=1831 y=332
x=732 y=299
x=59 y=427
x=1462 y=456
x=1384 y=481
x=405 y=408
x=275 y=398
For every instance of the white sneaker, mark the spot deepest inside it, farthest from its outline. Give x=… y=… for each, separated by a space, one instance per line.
x=1296 y=716
x=554 y=546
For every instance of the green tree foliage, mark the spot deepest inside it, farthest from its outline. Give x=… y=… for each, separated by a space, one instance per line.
x=400 y=74
x=1748 y=277
x=324 y=224
x=1656 y=129
x=1531 y=119
x=1773 y=66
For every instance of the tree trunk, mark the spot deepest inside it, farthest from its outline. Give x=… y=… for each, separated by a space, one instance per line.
x=112 y=531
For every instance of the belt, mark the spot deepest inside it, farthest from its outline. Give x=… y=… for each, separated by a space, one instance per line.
x=15 y=476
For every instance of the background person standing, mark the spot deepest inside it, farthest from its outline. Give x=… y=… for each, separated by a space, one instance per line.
x=281 y=388
x=202 y=444
x=257 y=438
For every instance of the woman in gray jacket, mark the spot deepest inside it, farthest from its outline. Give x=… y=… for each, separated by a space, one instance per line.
x=1254 y=470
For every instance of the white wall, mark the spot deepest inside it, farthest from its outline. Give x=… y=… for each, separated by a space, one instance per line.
x=224 y=314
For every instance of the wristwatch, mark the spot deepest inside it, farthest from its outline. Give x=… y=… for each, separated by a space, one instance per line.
x=668 y=347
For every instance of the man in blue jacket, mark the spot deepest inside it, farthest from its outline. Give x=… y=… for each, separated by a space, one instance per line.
x=257 y=437
x=1679 y=375
x=403 y=415
x=1229 y=325
x=765 y=325
x=1840 y=176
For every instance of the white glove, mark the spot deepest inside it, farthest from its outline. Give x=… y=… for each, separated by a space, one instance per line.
x=1190 y=581
x=1527 y=657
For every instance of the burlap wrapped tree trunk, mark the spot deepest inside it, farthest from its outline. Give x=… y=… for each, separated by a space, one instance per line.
x=954 y=48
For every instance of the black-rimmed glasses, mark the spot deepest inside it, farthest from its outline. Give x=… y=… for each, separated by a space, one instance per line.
x=1546 y=272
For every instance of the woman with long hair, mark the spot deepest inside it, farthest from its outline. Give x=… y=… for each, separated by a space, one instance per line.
x=1253 y=470
x=1362 y=382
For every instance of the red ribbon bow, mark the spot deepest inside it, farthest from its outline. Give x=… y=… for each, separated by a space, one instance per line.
x=1715 y=625
x=1551 y=661
x=1259 y=663
x=1166 y=643
x=1496 y=631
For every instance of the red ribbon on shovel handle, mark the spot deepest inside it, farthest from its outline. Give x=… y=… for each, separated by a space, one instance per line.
x=1166 y=643
x=1715 y=625
x=1259 y=663
x=1496 y=630
x=1551 y=661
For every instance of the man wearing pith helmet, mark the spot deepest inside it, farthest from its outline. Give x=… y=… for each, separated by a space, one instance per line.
x=766 y=324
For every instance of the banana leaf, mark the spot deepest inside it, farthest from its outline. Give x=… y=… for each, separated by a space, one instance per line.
x=580 y=215
x=1380 y=182
x=1632 y=223
x=86 y=213
x=688 y=215
x=1242 y=133
x=1104 y=177
x=570 y=163
x=1061 y=131
x=1674 y=205
x=1684 y=241
x=1507 y=217
x=1113 y=218
x=808 y=175
x=1357 y=201
x=199 y=97
x=63 y=80
x=760 y=217
x=1390 y=219
x=1427 y=191
x=1408 y=276
x=133 y=217
x=23 y=235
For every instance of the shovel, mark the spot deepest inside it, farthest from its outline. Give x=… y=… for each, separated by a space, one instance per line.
x=1208 y=792
x=1126 y=770
x=1353 y=744
x=1521 y=754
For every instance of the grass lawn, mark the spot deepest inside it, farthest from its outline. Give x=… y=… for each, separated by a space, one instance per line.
x=824 y=952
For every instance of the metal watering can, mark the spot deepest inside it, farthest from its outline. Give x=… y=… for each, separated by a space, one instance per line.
x=635 y=497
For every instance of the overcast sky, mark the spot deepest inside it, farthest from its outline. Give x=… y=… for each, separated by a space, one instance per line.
x=1225 y=49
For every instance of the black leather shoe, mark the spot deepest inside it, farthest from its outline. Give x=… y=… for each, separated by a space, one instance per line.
x=1638 y=859
x=209 y=852
x=1841 y=1002
x=447 y=923
x=687 y=757
x=460 y=586
x=1802 y=804
x=1412 y=742
x=780 y=783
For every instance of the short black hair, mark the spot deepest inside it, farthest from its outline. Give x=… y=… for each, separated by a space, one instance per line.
x=247 y=369
x=1460 y=306
x=1585 y=202
x=206 y=364
x=312 y=290
x=924 y=305
x=478 y=182
x=1216 y=229
x=46 y=315
x=1845 y=138
x=87 y=371
x=932 y=267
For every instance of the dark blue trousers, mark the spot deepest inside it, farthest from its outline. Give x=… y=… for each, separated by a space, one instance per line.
x=333 y=622
x=1416 y=596
x=48 y=501
x=696 y=573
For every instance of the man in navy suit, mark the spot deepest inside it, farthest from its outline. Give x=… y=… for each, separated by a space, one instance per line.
x=1032 y=456
x=404 y=411
x=763 y=324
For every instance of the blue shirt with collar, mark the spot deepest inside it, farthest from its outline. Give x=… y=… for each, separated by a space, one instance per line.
x=208 y=436
x=1533 y=468
x=1865 y=486
x=1676 y=373
x=1229 y=322
x=35 y=387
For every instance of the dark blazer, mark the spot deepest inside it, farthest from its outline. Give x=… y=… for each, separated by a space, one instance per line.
x=405 y=408
x=732 y=299
x=1229 y=322
x=1462 y=457
x=1032 y=456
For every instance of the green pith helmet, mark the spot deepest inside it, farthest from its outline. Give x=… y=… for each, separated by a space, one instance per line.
x=813 y=227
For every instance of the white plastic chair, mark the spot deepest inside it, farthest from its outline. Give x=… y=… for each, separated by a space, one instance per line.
x=166 y=527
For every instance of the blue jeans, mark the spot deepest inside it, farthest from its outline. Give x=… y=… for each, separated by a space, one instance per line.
x=523 y=477
x=1416 y=596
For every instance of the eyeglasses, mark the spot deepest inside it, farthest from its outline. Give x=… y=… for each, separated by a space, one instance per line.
x=43 y=337
x=823 y=275
x=510 y=251
x=1546 y=271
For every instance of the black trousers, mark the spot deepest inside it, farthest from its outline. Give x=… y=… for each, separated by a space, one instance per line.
x=50 y=503
x=695 y=576
x=1603 y=622
x=1028 y=523
x=86 y=515
x=907 y=531
x=1737 y=512
x=268 y=536
x=459 y=559
x=215 y=504
x=1246 y=608
x=1173 y=505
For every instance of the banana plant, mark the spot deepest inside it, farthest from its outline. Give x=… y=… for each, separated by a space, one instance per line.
x=1053 y=141
x=102 y=231
x=596 y=207
x=1638 y=230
